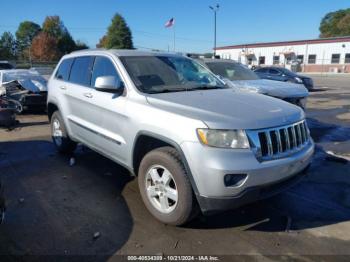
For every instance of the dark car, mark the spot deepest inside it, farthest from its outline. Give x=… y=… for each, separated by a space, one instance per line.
x=4 y=65
x=2 y=203
x=284 y=75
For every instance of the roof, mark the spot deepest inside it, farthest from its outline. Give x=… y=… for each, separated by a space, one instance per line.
x=119 y=52
x=283 y=43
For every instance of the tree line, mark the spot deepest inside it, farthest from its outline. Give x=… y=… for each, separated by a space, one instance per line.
x=52 y=40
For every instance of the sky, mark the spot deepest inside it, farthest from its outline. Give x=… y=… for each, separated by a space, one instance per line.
x=239 y=21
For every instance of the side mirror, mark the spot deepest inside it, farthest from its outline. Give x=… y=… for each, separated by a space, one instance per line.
x=109 y=84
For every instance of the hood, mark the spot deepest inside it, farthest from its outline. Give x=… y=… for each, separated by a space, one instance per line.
x=228 y=109
x=28 y=79
x=273 y=88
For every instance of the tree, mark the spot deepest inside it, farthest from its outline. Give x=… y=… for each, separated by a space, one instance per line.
x=25 y=33
x=336 y=24
x=44 y=48
x=7 y=46
x=79 y=45
x=118 y=35
x=54 y=27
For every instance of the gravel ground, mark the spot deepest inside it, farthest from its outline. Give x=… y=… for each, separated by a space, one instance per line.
x=93 y=208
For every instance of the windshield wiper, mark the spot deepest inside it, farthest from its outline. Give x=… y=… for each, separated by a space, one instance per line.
x=204 y=87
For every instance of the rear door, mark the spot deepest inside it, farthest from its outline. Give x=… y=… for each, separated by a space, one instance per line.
x=83 y=112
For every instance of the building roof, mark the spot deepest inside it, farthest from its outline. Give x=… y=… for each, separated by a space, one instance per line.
x=283 y=43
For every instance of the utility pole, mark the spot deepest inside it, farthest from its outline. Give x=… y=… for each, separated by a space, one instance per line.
x=215 y=10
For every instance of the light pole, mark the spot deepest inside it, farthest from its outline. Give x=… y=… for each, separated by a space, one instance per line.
x=215 y=10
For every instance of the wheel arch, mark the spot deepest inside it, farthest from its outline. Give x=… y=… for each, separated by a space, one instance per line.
x=157 y=141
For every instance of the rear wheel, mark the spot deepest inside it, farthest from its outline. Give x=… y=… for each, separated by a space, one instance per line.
x=60 y=136
x=165 y=187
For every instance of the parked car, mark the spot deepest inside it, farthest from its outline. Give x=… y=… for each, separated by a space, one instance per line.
x=284 y=75
x=191 y=140
x=2 y=204
x=239 y=76
x=5 y=65
x=27 y=87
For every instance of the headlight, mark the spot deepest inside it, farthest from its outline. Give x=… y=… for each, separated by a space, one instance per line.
x=298 y=80
x=223 y=138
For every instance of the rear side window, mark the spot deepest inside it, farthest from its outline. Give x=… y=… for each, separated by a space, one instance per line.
x=64 y=69
x=103 y=67
x=274 y=72
x=81 y=70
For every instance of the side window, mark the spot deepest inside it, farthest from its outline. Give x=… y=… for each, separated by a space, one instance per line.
x=262 y=70
x=64 y=69
x=274 y=72
x=81 y=70
x=103 y=67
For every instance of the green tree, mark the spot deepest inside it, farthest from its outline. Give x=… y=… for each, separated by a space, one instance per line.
x=25 y=33
x=54 y=27
x=118 y=35
x=336 y=24
x=7 y=46
x=79 y=45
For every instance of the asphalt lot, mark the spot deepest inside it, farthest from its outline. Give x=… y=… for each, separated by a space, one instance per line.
x=55 y=208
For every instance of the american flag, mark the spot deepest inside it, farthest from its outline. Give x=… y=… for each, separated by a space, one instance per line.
x=170 y=23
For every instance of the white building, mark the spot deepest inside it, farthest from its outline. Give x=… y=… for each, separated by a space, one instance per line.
x=315 y=55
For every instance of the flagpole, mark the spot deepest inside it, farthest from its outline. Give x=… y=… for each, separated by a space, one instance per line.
x=174 y=38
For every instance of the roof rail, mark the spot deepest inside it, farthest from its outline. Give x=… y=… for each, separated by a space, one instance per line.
x=90 y=49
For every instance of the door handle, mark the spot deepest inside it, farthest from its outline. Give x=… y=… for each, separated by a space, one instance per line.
x=63 y=87
x=88 y=95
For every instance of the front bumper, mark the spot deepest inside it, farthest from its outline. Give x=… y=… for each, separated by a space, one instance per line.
x=210 y=165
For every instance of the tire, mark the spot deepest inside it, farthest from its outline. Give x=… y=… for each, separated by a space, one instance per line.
x=60 y=136
x=185 y=207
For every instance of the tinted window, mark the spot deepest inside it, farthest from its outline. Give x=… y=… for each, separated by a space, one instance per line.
x=274 y=72
x=103 y=67
x=262 y=70
x=232 y=71
x=64 y=69
x=81 y=70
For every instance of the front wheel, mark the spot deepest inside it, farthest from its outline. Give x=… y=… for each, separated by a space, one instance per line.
x=60 y=136
x=165 y=187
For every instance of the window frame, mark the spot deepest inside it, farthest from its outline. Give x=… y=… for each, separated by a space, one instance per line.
x=90 y=71
x=69 y=70
x=110 y=60
x=264 y=59
x=313 y=60
x=335 y=60
x=347 y=58
x=276 y=60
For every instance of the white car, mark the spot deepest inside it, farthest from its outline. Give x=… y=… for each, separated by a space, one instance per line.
x=237 y=75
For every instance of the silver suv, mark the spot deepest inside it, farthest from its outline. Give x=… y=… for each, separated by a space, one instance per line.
x=194 y=143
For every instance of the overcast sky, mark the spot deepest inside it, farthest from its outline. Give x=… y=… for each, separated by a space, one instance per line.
x=239 y=21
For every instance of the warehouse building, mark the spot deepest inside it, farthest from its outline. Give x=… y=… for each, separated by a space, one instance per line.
x=315 y=55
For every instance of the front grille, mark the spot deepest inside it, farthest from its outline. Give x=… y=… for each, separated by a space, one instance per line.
x=279 y=142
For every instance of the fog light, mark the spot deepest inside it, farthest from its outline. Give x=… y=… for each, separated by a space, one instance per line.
x=234 y=179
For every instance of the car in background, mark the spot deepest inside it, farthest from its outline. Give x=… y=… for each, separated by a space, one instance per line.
x=239 y=76
x=27 y=87
x=5 y=65
x=284 y=75
x=2 y=203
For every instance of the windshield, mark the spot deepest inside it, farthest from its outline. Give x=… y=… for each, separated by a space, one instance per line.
x=159 y=74
x=232 y=71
